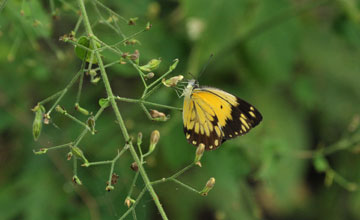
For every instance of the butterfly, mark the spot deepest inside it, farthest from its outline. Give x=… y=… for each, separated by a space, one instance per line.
x=212 y=116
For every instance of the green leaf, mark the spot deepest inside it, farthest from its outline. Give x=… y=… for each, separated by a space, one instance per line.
x=103 y=102
x=82 y=52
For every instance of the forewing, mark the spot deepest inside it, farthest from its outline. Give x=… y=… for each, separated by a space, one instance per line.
x=236 y=116
x=201 y=123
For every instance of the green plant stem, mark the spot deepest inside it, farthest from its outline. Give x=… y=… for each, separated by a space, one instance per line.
x=164 y=75
x=117 y=112
x=84 y=132
x=110 y=11
x=78 y=121
x=185 y=186
x=78 y=95
x=50 y=98
x=54 y=147
x=134 y=205
x=107 y=65
x=98 y=163
x=119 y=52
x=174 y=176
x=133 y=184
x=78 y=24
x=63 y=92
x=146 y=103
x=75 y=165
x=343 y=144
x=3 y=4
x=114 y=161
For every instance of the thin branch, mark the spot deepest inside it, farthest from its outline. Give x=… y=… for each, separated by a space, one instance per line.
x=117 y=112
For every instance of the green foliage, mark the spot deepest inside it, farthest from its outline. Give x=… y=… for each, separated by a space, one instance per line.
x=296 y=61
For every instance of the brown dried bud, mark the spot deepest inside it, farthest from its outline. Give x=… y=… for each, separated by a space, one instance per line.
x=156 y=114
x=114 y=178
x=134 y=166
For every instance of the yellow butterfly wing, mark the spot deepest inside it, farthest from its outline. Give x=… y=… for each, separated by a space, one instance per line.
x=212 y=116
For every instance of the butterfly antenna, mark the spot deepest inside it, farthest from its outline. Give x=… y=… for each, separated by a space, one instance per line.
x=206 y=64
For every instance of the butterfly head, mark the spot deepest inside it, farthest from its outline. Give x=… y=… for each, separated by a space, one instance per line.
x=189 y=88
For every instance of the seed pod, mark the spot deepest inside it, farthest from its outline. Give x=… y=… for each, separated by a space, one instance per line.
x=81 y=110
x=151 y=65
x=38 y=121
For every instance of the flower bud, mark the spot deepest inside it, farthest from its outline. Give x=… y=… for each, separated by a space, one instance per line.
x=132 y=21
x=81 y=110
x=151 y=65
x=46 y=119
x=209 y=185
x=135 y=56
x=76 y=180
x=69 y=155
x=149 y=75
x=95 y=80
x=173 y=66
x=41 y=151
x=148 y=26
x=154 y=139
x=91 y=124
x=129 y=201
x=78 y=152
x=198 y=154
x=173 y=81
x=109 y=188
x=132 y=42
x=38 y=120
x=139 y=138
x=60 y=109
x=159 y=116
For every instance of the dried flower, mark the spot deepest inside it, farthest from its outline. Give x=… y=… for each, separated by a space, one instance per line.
x=173 y=81
x=134 y=166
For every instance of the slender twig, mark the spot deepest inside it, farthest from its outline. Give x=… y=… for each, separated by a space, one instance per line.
x=146 y=103
x=345 y=143
x=174 y=176
x=80 y=85
x=45 y=149
x=85 y=131
x=134 y=205
x=185 y=186
x=117 y=112
x=77 y=121
x=63 y=92
x=115 y=160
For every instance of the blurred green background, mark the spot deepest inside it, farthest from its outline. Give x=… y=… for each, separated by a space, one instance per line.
x=298 y=62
